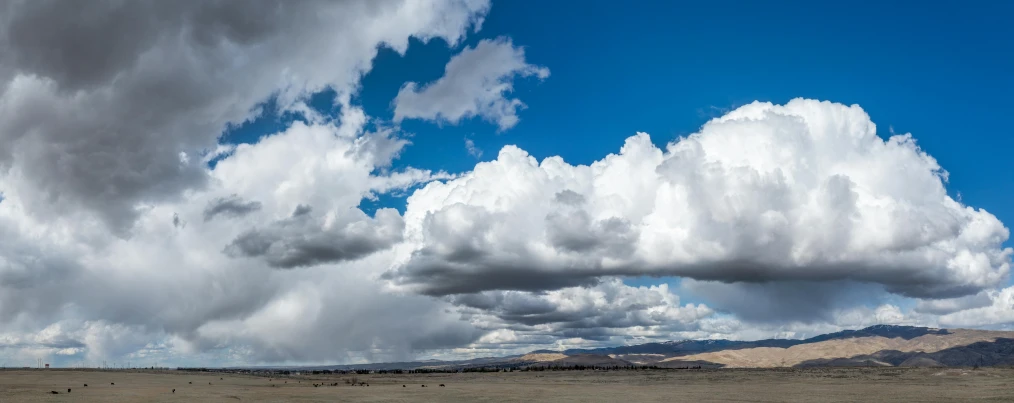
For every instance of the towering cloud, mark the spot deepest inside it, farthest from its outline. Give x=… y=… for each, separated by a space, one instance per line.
x=801 y=192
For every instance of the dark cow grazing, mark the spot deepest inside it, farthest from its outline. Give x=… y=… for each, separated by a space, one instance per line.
x=424 y=386
x=209 y=383
x=191 y=382
x=112 y=383
x=403 y=386
x=54 y=392
x=441 y=385
x=174 y=390
x=68 y=390
x=86 y=385
x=221 y=379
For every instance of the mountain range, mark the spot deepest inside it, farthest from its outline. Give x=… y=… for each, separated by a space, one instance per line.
x=881 y=345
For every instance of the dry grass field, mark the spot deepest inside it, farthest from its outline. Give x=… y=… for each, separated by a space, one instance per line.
x=744 y=385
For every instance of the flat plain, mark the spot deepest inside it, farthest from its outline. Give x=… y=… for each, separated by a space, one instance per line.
x=743 y=385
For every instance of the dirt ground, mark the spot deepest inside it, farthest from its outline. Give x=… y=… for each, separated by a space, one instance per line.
x=765 y=385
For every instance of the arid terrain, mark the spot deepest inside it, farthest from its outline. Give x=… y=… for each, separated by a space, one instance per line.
x=753 y=385
x=879 y=363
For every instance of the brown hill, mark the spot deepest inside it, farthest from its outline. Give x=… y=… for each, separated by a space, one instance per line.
x=538 y=357
x=586 y=360
x=850 y=351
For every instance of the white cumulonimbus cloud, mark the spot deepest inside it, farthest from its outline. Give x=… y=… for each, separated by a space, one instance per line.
x=475 y=83
x=804 y=191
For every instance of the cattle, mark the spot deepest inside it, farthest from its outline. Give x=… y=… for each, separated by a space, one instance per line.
x=112 y=383
x=86 y=385
x=174 y=390
x=54 y=392
x=441 y=385
x=68 y=390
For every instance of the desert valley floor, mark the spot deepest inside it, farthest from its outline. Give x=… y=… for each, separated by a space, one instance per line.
x=744 y=385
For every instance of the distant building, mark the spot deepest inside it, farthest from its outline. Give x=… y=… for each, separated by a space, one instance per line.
x=47 y=366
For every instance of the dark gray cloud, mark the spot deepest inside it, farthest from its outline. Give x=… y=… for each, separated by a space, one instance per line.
x=109 y=105
x=460 y=264
x=232 y=206
x=432 y=275
x=604 y=310
x=303 y=240
x=951 y=305
x=26 y=268
x=355 y=322
x=575 y=231
x=785 y=301
x=301 y=209
x=59 y=342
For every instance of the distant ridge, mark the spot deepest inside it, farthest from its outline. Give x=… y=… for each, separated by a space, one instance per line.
x=875 y=346
x=880 y=345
